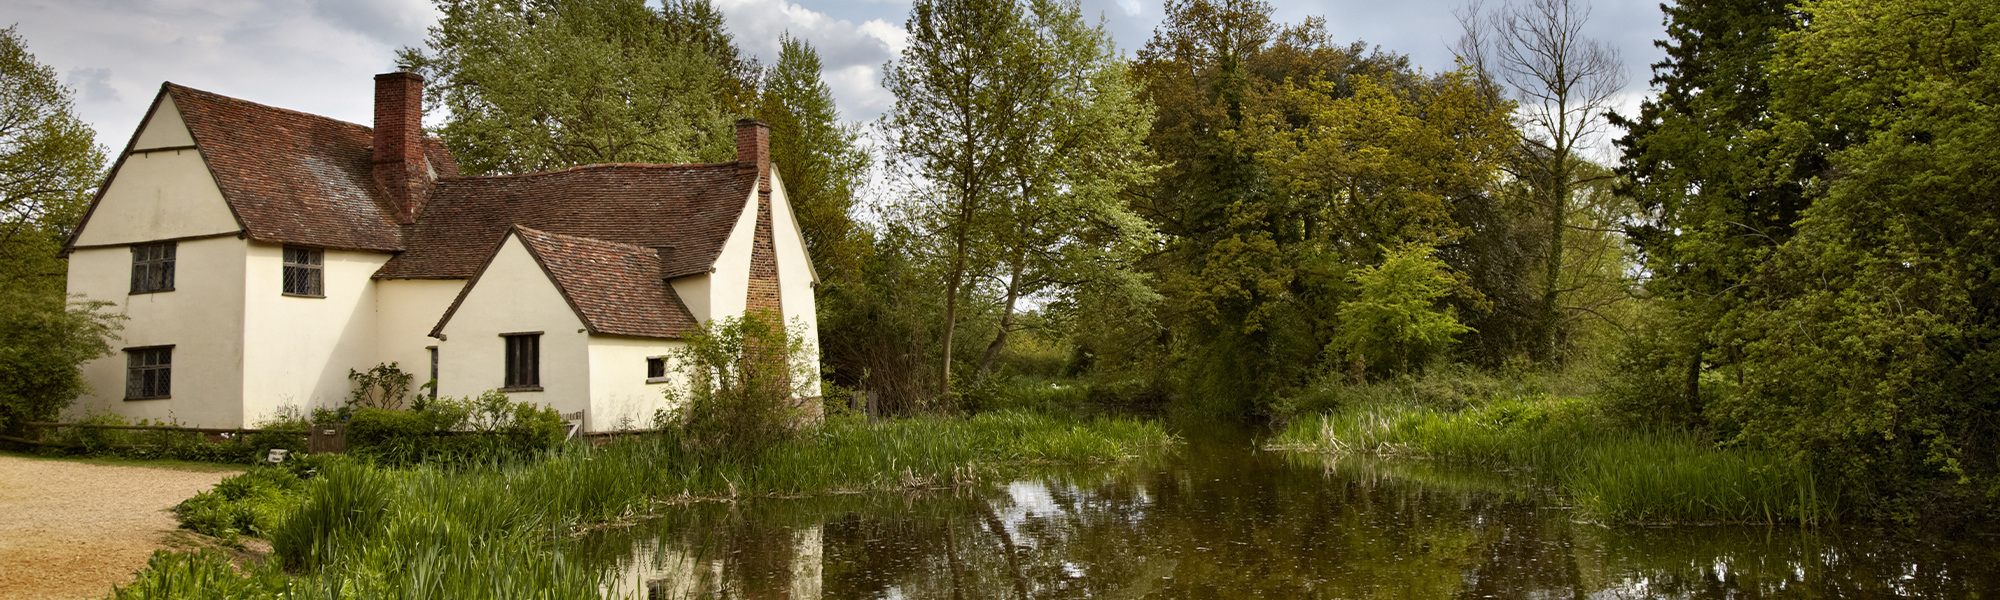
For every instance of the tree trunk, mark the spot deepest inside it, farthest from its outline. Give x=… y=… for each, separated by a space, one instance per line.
x=1006 y=322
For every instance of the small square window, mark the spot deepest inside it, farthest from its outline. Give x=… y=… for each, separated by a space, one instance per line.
x=524 y=361
x=149 y=373
x=153 y=268
x=303 y=272
x=656 y=369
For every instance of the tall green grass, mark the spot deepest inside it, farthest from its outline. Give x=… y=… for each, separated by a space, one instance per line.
x=1613 y=473
x=499 y=529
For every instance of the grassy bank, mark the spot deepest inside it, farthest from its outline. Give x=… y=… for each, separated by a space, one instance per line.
x=1612 y=472
x=501 y=529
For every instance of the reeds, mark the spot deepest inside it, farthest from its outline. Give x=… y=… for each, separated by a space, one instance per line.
x=499 y=529
x=1613 y=473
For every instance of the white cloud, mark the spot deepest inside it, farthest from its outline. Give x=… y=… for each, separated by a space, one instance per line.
x=295 y=54
x=851 y=54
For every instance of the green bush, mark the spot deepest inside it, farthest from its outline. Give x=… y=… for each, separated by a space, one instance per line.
x=254 y=502
x=481 y=428
x=283 y=432
x=204 y=574
x=743 y=381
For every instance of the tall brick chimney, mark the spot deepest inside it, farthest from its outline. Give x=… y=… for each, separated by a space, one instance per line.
x=399 y=152
x=753 y=149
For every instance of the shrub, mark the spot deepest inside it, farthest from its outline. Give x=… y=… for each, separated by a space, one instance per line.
x=384 y=386
x=488 y=426
x=744 y=379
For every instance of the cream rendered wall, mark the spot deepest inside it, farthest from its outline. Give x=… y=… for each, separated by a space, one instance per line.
x=795 y=272
x=729 y=283
x=165 y=129
x=693 y=290
x=202 y=318
x=297 y=350
x=515 y=295
x=405 y=312
x=160 y=195
x=620 y=397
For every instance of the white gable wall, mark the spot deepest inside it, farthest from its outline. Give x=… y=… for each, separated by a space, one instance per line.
x=795 y=274
x=729 y=285
x=165 y=129
x=300 y=349
x=694 y=293
x=514 y=295
x=202 y=318
x=405 y=312
x=620 y=396
x=159 y=195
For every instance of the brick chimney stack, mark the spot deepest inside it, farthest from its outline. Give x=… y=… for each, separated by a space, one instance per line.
x=753 y=149
x=399 y=152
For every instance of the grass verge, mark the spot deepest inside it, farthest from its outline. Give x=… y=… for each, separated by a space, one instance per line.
x=1613 y=473
x=501 y=529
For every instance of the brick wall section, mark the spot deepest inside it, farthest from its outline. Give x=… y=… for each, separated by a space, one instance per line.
x=398 y=148
x=764 y=264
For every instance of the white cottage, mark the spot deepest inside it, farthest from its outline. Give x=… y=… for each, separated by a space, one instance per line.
x=260 y=253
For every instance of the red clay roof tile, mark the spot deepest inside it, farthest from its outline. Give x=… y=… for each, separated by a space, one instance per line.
x=686 y=211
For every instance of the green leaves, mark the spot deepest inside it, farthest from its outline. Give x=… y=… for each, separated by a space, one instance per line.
x=536 y=86
x=1394 y=321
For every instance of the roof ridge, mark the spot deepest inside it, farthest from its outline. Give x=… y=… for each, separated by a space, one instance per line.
x=592 y=166
x=223 y=97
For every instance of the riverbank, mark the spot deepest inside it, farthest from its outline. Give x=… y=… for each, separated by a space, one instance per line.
x=502 y=529
x=72 y=529
x=1611 y=471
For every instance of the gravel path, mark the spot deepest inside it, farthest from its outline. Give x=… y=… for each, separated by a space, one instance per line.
x=72 y=530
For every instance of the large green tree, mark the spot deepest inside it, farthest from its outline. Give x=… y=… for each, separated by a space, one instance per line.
x=50 y=165
x=534 y=85
x=1716 y=188
x=1869 y=342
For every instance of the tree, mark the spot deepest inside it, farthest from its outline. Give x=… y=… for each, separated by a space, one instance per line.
x=534 y=85
x=1066 y=228
x=49 y=167
x=1563 y=83
x=50 y=164
x=1243 y=317
x=821 y=164
x=959 y=85
x=1394 y=322
x=1715 y=187
x=1869 y=342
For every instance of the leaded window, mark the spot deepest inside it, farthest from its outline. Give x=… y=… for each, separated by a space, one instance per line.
x=303 y=268
x=149 y=372
x=153 y=268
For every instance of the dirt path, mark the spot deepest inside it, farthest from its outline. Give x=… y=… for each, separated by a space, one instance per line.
x=72 y=530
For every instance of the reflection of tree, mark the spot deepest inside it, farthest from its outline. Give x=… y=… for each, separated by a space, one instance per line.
x=1236 y=525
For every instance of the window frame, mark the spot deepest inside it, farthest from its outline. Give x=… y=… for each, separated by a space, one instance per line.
x=135 y=372
x=522 y=366
x=664 y=375
x=153 y=267
x=311 y=268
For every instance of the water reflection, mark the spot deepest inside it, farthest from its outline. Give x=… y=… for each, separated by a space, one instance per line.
x=1217 y=520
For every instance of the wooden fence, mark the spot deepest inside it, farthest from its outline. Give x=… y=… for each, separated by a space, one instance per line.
x=36 y=429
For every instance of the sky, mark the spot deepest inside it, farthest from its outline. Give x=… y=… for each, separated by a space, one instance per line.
x=319 y=56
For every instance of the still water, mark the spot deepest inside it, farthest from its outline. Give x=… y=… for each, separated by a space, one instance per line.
x=1217 y=519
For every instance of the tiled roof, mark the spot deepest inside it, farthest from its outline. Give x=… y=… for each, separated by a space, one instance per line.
x=615 y=289
x=685 y=211
x=296 y=178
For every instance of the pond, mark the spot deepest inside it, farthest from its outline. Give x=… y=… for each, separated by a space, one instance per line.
x=1216 y=518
